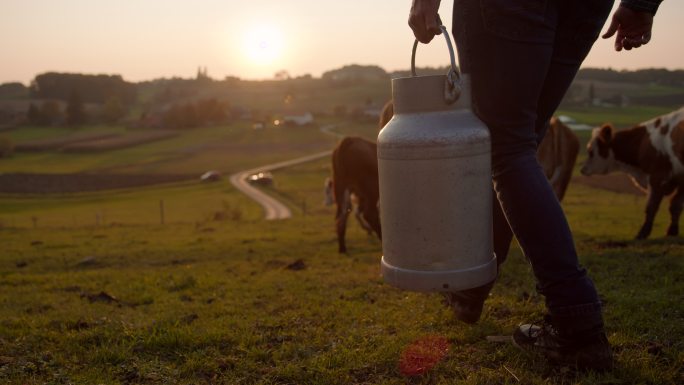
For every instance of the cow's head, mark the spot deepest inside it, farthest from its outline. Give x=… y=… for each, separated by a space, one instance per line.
x=600 y=157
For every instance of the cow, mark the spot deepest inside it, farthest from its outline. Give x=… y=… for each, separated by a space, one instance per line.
x=354 y=185
x=557 y=154
x=355 y=171
x=652 y=154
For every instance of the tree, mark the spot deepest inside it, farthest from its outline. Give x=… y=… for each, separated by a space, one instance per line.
x=75 y=113
x=13 y=91
x=92 y=88
x=33 y=115
x=173 y=116
x=113 y=110
x=50 y=113
x=282 y=75
x=210 y=111
x=189 y=116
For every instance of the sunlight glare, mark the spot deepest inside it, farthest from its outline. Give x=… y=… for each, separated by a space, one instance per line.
x=263 y=44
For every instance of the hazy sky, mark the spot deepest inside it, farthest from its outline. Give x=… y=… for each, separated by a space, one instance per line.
x=146 y=39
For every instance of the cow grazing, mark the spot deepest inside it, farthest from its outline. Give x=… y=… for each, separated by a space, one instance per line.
x=355 y=171
x=652 y=153
x=557 y=154
x=355 y=182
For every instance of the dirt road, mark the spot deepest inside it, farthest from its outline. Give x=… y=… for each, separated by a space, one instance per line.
x=274 y=209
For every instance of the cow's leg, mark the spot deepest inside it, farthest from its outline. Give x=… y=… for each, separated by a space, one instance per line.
x=676 y=204
x=362 y=221
x=358 y=213
x=655 y=196
x=341 y=215
x=371 y=215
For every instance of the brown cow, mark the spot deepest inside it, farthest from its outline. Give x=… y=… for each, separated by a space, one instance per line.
x=355 y=171
x=355 y=182
x=557 y=154
x=652 y=153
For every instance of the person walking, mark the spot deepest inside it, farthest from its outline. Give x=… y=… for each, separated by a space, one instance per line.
x=522 y=56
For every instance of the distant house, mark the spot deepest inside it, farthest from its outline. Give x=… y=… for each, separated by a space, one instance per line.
x=296 y=119
x=152 y=117
x=12 y=112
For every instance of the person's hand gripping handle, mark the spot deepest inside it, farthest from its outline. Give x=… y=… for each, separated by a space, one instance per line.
x=424 y=20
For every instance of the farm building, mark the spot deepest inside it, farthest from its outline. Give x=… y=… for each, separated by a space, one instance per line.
x=295 y=119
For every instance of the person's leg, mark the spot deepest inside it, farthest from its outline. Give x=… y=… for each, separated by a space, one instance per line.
x=578 y=25
x=508 y=50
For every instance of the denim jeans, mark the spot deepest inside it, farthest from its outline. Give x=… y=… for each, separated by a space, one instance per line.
x=522 y=56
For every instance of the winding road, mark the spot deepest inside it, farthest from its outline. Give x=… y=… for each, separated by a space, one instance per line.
x=274 y=209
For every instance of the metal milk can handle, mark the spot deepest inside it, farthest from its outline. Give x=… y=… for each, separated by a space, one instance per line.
x=452 y=86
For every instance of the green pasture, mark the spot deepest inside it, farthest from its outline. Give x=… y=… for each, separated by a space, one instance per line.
x=216 y=295
x=31 y=133
x=225 y=148
x=620 y=117
x=186 y=283
x=189 y=202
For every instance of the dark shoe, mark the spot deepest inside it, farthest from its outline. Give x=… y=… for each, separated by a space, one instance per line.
x=584 y=350
x=465 y=309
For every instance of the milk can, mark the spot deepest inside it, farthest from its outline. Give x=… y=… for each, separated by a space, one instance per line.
x=435 y=186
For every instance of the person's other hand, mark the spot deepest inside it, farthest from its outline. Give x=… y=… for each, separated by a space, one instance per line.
x=423 y=20
x=633 y=28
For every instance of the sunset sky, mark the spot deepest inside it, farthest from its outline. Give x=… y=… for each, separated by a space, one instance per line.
x=147 y=39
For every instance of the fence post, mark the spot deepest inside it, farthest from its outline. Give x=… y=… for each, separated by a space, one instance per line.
x=161 y=211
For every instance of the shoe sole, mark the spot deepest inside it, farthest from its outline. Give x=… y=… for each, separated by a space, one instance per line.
x=600 y=365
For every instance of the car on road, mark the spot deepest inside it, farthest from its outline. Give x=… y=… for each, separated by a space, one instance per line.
x=264 y=178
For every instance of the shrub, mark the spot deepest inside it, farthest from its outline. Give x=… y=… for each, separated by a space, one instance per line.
x=6 y=147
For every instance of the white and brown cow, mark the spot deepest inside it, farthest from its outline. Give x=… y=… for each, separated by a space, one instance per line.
x=652 y=153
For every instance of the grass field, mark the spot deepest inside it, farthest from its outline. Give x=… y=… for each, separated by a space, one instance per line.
x=225 y=148
x=620 y=117
x=95 y=289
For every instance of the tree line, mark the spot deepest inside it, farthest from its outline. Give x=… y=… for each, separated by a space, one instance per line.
x=660 y=76
x=91 y=88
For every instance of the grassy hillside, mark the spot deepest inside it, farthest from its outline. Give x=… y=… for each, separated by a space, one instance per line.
x=98 y=288
x=232 y=299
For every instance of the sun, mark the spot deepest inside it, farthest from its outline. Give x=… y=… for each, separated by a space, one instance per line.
x=264 y=44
